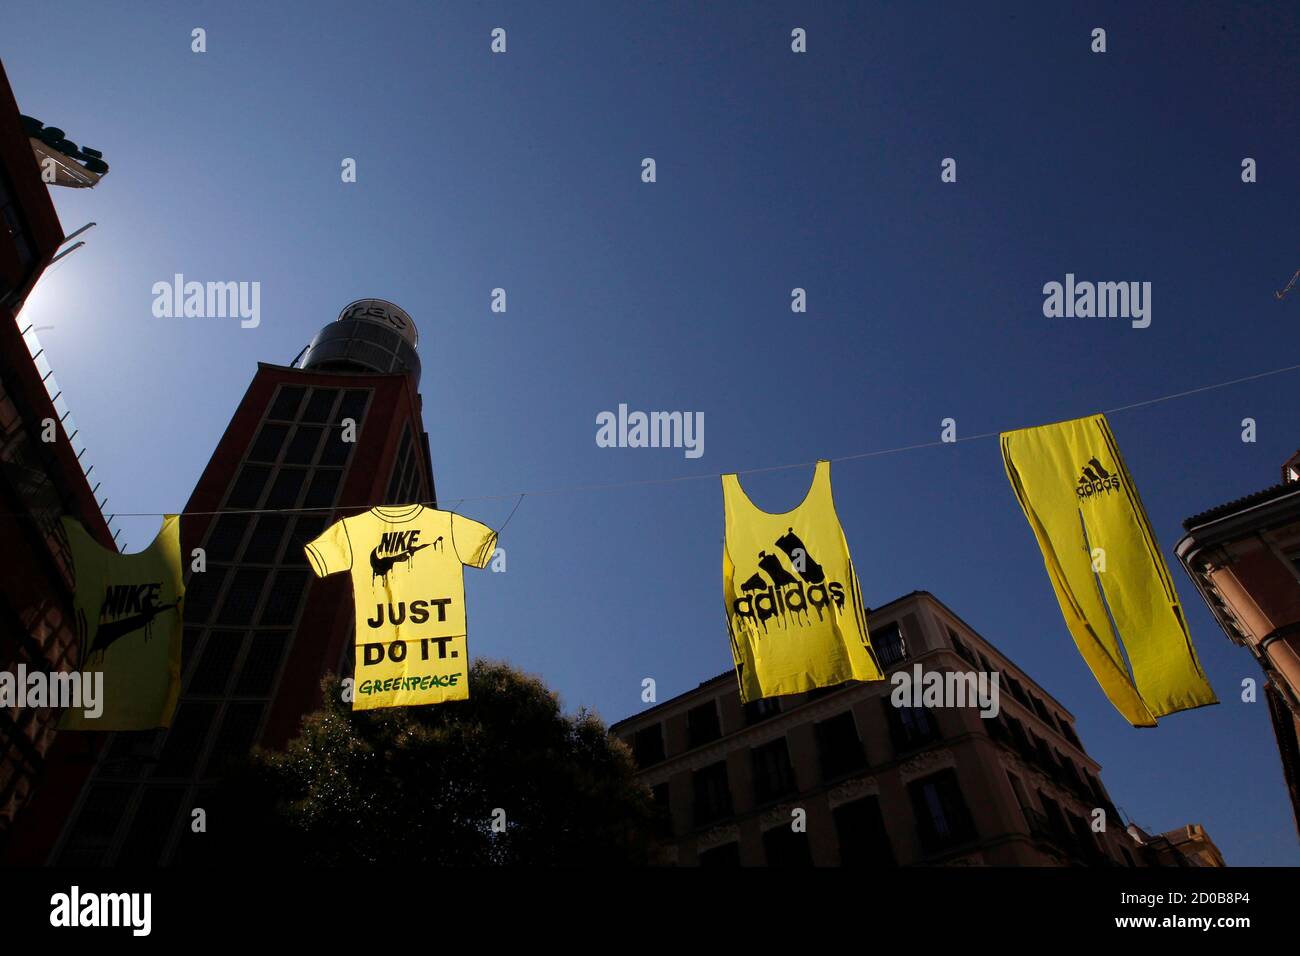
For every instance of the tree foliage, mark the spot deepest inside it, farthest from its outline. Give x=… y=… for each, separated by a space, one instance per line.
x=423 y=785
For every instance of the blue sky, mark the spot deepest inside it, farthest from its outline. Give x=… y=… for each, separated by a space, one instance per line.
x=820 y=171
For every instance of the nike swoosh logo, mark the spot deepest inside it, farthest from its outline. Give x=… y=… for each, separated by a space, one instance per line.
x=113 y=631
x=381 y=566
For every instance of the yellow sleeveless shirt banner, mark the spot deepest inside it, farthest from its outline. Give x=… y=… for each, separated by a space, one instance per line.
x=128 y=609
x=409 y=595
x=1078 y=496
x=794 y=608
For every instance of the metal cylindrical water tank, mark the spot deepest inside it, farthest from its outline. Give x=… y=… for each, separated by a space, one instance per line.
x=370 y=334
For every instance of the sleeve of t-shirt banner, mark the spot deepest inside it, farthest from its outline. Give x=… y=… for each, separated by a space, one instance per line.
x=331 y=552
x=474 y=542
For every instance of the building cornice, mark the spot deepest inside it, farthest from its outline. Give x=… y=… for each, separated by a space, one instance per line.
x=1262 y=509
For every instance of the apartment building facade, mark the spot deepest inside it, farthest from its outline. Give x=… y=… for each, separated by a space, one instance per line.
x=878 y=785
x=45 y=475
x=1244 y=558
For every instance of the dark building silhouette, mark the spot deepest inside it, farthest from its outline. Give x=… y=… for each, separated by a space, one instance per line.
x=260 y=630
x=880 y=785
x=1244 y=557
x=44 y=473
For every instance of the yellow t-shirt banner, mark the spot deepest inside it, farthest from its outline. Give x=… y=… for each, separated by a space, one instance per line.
x=409 y=593
x=794 y=608
x=128 y=609
x=1104 y=564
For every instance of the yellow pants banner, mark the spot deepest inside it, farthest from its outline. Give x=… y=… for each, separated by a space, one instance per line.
x=1105 y=567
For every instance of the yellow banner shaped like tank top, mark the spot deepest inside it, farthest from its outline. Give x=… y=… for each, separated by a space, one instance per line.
x=128 y=609
x=793 y=603
x=1101 y=556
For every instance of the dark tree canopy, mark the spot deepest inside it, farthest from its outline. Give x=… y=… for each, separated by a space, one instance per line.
x=420 y=785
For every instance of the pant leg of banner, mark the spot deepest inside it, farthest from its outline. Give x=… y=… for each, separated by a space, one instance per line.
x=1141 y=595
x=1069 y=567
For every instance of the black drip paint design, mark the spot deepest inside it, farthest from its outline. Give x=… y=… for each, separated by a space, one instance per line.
x=783 y=585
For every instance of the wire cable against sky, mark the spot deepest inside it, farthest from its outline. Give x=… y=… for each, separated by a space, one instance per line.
x=574 y=489
x=1282 y=295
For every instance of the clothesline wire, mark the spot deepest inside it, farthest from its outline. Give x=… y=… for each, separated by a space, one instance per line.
x=609 y=486
x=512 y=514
